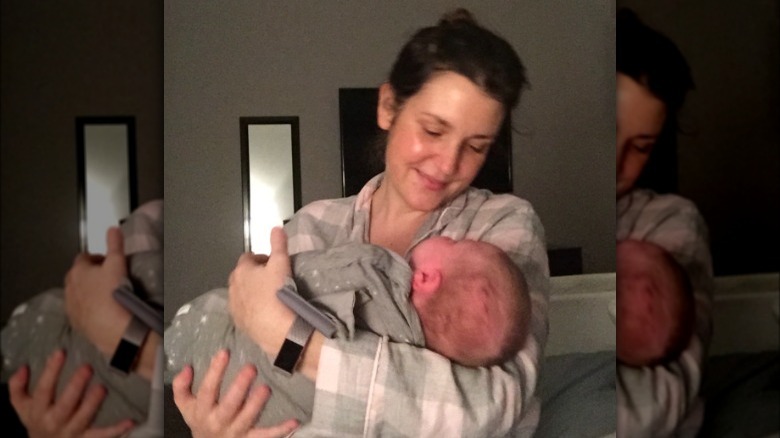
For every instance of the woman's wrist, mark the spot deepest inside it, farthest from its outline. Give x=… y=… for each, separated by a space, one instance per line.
x=310 y=359
x=108 y=341
x=147 y=356
x=308 y=363
x=270 y=338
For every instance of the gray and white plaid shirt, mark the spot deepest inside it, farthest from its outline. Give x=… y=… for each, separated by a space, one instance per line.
x=371 y=387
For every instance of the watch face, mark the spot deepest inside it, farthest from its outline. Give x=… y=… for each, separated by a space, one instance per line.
x=124 y=356
x=288 y=356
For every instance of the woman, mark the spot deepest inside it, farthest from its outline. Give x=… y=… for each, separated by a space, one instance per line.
x=447 y=95
x=652 y=80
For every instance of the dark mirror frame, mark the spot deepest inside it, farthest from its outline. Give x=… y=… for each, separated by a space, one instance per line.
x=81 y=123
x=244 y=123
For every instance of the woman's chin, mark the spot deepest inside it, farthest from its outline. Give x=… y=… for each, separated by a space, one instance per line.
x=422 y=200
x=425 y=197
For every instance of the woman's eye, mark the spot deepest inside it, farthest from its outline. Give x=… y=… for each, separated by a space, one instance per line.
x=478 y=148
x=432 y=132
x=644 y=148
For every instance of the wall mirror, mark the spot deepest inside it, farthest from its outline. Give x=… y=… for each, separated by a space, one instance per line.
x=107 y=176
x=270 y=164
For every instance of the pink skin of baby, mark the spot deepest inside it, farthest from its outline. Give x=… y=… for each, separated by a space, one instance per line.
x=471 y=299
x=655 y=311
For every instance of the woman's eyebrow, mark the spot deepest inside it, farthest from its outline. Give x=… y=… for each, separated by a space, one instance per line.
x=437 y=119
x=646 y=137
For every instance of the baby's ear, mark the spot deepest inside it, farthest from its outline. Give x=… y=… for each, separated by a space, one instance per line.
x=426 y=281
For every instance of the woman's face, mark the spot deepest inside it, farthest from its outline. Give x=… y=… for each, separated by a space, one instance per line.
x=640 y=118
x=438 y=140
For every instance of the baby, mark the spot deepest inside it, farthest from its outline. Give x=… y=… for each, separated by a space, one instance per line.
x=39 y=326
x=655 y=310
x=465 y=300
x=471 y=299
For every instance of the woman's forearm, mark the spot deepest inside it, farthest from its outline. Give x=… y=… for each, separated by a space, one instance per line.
x=147 y=356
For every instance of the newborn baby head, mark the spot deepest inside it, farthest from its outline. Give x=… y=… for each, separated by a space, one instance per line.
x=472 y=300
x=655 y=306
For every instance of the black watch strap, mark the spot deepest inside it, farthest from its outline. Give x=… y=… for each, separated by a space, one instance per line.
x=126 y=352
x=291 y=350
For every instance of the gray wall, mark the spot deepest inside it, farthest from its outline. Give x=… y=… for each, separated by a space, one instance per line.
x=729 y=160
x=61 y=60
x=249 y=58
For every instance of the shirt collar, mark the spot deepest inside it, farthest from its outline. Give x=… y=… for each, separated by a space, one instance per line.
x=436 y=222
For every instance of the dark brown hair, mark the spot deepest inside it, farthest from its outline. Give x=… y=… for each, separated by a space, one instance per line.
x=652 y=60
x=458 y=44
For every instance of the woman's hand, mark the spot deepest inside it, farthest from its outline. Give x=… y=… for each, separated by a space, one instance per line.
x=92 y=309
x=68 y=416
x=232 y=416
x=258 y=312
x=252 y=295
x=89 y=302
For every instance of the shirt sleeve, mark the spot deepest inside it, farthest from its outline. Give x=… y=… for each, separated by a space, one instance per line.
x=663 y=400
x=372 y=387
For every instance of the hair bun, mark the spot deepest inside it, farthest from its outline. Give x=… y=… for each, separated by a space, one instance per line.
x=458 y=17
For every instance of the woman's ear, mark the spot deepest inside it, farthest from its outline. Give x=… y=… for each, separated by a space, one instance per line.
x=385 y=109
x=426 y=281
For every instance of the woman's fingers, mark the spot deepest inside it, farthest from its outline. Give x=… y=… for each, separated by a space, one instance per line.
x=116 y=430
x=71 y=414
x=253 y=405
x=88 y=408
x=17 y=389
x=249 y=259
x=278 y=243
x=231 y=415
x=43 y=395
x=261 y=259
x=231 y=402
x=69 y=398
x=278 y=431
x=182 y=391
x=252 y=408
x=208 y=393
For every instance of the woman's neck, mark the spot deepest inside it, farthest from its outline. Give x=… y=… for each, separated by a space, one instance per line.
x=393 y=224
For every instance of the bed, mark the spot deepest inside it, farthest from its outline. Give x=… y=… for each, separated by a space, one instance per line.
x=741 y=378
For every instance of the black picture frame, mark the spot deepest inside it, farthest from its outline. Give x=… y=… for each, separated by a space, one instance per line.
x=244 y=124
x=81 y=123
x=362 y=150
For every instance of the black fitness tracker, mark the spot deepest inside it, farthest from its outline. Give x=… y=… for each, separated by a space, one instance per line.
x=127 y=351
x=291 y=350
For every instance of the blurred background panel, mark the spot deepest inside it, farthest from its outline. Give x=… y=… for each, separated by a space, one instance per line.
x=728 y=153
x=60 y=61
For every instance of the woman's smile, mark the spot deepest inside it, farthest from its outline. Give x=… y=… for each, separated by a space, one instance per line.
x=431 y=183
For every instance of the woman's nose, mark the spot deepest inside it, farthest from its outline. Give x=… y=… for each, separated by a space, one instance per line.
x=449 y=159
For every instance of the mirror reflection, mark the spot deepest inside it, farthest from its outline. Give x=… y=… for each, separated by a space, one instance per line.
x=270 y=167
x=106 y=187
